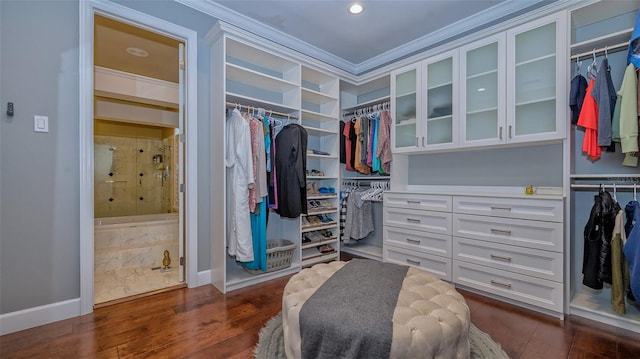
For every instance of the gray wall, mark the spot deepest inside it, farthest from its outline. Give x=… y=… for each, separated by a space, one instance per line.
x=39 y=172
x=39 y=228
x=539 y=166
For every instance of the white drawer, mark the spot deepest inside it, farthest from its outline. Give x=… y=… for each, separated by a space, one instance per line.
x=530 y=290
x=417 y=201
x=421 y=241
x=522 y=208
x=430 y=221
x=527 y=261
x=436 y=265
x=532 y=234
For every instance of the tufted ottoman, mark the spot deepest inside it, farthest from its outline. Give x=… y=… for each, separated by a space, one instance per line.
x=430 y=318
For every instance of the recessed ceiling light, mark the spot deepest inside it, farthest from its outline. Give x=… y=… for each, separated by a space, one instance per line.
x=137 y=52
x=355 y=8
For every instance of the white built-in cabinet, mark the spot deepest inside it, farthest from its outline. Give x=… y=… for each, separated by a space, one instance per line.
x=509 y=246
x=319 y=116
x=483 y=88
x=498 y=90
x=250 y=71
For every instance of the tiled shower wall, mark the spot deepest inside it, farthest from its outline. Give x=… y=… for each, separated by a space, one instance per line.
x=132 y=176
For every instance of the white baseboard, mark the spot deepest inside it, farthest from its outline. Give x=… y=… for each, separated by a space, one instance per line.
x=45 y=314
x=204 y=277
x=33 y=317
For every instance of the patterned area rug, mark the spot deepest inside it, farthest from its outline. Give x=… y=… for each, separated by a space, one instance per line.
x=271 y=343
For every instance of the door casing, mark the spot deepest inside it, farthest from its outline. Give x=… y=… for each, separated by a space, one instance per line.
x=121 y=13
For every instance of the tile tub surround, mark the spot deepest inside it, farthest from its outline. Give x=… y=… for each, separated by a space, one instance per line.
x=126 y=250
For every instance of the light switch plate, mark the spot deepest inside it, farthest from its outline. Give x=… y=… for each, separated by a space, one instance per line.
x=40 y=123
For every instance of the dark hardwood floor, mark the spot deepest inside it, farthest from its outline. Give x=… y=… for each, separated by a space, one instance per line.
x=203 y=323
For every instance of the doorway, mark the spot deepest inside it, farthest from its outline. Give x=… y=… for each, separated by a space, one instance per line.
x=137 y=162
x=152 y=116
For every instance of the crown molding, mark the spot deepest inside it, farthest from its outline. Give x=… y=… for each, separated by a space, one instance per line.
x=396 y=56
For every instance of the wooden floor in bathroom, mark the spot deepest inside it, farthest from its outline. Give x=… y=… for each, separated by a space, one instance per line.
x=204 y=323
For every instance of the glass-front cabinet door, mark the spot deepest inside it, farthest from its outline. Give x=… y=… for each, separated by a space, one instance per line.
x=483 y=89
x=405 y=83
x=440 y=121
x=534 y=80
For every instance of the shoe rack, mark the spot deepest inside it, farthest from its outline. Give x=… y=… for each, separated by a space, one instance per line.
x=319 y=234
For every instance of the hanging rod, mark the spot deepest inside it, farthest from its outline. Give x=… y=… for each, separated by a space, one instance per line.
x=368 y=109
x=609 y=177
x=609 y=49
x=609 y=185
x=249 y=108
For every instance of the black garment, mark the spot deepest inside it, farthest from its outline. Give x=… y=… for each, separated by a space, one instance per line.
x=576 y=96
x=353 y=137
x=291 y=168
x=596 y=260
x=343 y=151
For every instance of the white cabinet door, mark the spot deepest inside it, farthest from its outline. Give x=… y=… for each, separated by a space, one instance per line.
x=405 y=107
x=536 y=55
x=440 y=101
x=483 y=92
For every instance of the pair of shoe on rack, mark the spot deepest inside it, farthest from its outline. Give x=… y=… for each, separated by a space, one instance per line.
x=319 y=205
x=316 y=220
x=313 y=190
x=316 y=236
x=326 y=248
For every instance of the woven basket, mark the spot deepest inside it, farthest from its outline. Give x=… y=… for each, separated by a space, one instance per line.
x=279 y=254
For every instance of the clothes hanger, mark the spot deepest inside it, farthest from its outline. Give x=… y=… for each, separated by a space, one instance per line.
x=615 y=198
x=578 y=65
x=634 y=192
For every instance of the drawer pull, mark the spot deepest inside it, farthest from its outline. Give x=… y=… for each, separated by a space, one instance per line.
x=502 y=231
x=501 y=258
x=412 y=262
x=500 y=284
x=412 y=202
x=413 y=220
x=498 y=208
x=414 y=241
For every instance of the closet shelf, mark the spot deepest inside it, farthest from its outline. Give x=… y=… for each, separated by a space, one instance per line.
x=257 y=103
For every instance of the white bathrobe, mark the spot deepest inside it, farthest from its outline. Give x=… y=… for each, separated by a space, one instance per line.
x=239 y=179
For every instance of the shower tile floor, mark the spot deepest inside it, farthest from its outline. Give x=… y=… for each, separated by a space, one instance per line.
x=126 y=282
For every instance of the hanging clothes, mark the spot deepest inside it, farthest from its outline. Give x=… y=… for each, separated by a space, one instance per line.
x=343 y=152
x=602 y=93
x=383 y=149
x=589 y=121
x=619 y=266
x=631 y=252
x=347 y=145
x=359 y=221
x=576 y=96
x=240 y=177
x=628 y=102
x=259 y=238
x=291 y=167
x=597 y=238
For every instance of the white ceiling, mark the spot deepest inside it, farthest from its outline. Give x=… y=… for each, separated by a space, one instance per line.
x=384 y=32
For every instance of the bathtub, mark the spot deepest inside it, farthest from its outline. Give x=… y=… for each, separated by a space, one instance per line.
x=135 y=241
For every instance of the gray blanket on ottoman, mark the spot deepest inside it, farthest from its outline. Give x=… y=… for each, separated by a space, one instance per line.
x=357 y=322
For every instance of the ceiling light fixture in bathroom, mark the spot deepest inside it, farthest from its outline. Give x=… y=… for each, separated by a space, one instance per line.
x=137 y=52
x=355 y=8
